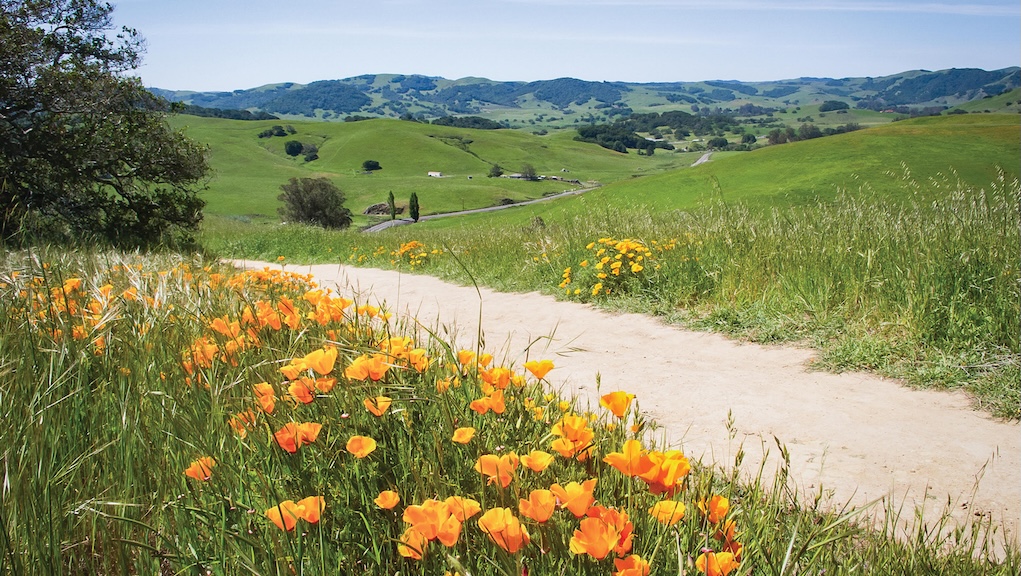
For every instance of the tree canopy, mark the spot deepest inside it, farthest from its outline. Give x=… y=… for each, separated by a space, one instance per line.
x=315 y=201
x=87 y=153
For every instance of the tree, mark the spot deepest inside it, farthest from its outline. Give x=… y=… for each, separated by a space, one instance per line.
x=528 y=172
x=370 y=165
x=748 y=139
x=495 y=171
x=293 y=147
x=718 y=143
x=86 y=150
x=315 y=201
x=413 y=206
x=391 y=205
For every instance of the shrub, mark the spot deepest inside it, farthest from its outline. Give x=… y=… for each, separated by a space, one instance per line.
x=314 y=201
x=370 y=165
x=293 y=147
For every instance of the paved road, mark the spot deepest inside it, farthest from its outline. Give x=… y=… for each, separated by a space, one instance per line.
x=405 y=221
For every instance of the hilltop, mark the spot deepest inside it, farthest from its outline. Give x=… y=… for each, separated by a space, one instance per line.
x=567 y=102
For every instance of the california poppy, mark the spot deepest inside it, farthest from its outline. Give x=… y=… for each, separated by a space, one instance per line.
x=463 y=435
x=617 y=402
x=715 y=509
x=200 y=469
x=540 y=505
x=310 y=508
x=537 y=460
x=631 y=460
x=540 y=368
x=497 y=468
x=412 y=544
x=632 y=565
x=667 y=512
x=462 y=508
x=504 y=529
x=321 y=360
x=361 y=446
x=575 y=497
x=378 y=405
x=284 y=515
x=387 y=499
x=716 y=563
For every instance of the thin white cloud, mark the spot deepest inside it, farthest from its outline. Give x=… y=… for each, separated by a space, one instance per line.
x=947 y=8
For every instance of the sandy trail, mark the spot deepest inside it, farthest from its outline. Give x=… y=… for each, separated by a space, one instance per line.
x=858 y=436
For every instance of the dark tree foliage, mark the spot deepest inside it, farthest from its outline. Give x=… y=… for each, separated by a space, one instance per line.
x=781 y=91
x=315 y=201
x=830 y=105
x=87 y=154
x=391 y=205
x=476 y=122
x=193 y=110
x=413 y=209
x=735 y=86
x=293 y=147
x=323 y=95
x=495 y=171
x=370 y=165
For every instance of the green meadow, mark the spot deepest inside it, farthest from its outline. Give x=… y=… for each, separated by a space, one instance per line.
x=168 y=414
x=891 y=249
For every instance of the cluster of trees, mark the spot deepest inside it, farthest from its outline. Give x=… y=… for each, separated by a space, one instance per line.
x=476 y=122
x=315 y=201
x=832 y=105
x=277 y=130
x=87 y=152
x=807 y=132
x=194 y=110
x=297 y=148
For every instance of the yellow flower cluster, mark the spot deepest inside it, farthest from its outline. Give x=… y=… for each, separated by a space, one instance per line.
x=613 y=265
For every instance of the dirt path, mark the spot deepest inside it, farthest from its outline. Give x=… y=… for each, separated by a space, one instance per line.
x=858 y=436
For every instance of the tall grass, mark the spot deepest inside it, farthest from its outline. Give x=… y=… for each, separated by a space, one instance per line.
x=926 y=290
x=120 y=373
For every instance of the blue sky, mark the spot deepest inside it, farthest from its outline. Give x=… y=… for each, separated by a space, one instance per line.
x=235 y=44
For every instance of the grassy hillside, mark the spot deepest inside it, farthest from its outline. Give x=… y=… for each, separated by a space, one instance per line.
x=249 y=170
x=884 y=159
x=1006 y=103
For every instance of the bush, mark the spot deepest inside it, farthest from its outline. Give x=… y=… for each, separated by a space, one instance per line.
x=370 y=165
x=314 y=201
x=293 y=147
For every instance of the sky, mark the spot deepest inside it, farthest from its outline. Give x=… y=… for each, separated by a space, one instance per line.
x=220 y=45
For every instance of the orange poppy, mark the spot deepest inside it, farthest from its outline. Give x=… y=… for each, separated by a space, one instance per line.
x=310 y=508
x=631 y=460
x=575 y=497
x=301 y=390
x=378 y=405
x=434 y=520
x=373 y=367
x=463 y=435
x=292 y=371
x=361 y=446
x=618 y=521
x=200 y=469
x=418 y=360
x=321 y=360
x=539 y=369
x=575 y=437
x=465 y=357
x=497 y=468
x=667 y=512
x=324 y=385
x=293 y=435
x=667 y=472
x=632 y=565
x=537 y=460
x=617 y=402
x=462 y=508
x=494 y=402
x=266 y=397
x=715 y=509
x=387 y=499
x=716 y=563
x=412 y=544
x=284 y=515
x=594 y=537
x=539 y=507
x=498 y=377
x=504 y=529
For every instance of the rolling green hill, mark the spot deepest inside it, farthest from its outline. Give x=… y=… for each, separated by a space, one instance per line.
x=569 y=102
x=884 y=159
x=249 y=170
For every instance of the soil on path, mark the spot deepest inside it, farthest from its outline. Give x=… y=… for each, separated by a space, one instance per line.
x=858 y=436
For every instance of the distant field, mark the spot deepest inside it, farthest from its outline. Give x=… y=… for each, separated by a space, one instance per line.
x=249 y=170
x=970 y=147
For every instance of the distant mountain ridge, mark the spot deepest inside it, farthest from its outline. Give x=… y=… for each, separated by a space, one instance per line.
x=425 y=97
